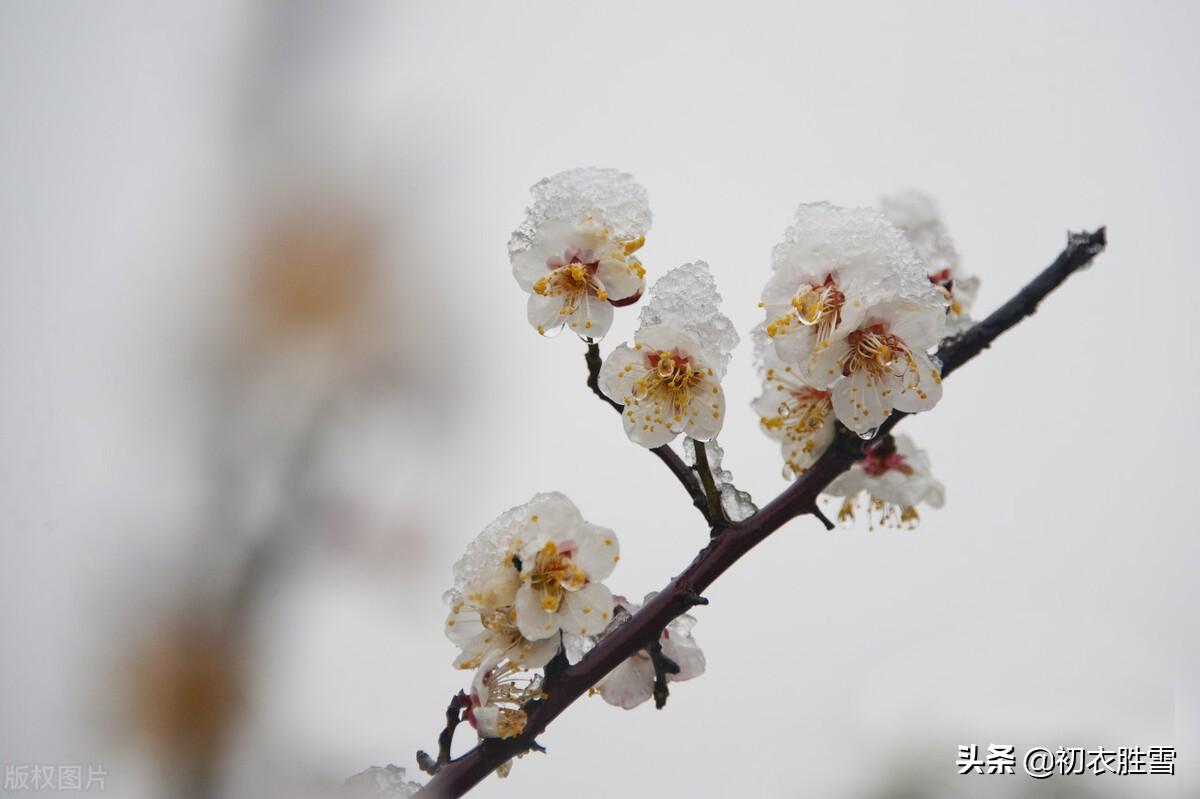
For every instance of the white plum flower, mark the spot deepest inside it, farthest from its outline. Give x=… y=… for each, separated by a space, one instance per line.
x=498 y=693
x=883 y=364
x=790 y=411
x=483 y=614
x=561 y=561
x=669 y=380
x=916 y=214
x=833 y=265
x=632 y=682
x=890 y=482
x=574 y=253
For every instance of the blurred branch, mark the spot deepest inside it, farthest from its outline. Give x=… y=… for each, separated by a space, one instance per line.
x=799 y=499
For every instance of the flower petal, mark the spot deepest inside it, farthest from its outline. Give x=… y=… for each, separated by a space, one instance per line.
x=623 y=367
x=629 y=684
x=921 y=388
x=859 y=403
x=707 y=411
x=646 y=423
x=534 y=622
x=620 y=278
x=534 y=654
x=597 y=552
x=545 y=313
x=586 y=611
x=462 y=626
x=687 y=655
x=476 y=649
x=592 y=317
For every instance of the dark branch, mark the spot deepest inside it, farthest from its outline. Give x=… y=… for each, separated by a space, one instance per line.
x=453 y=719
x=664 y=453
x=799 y=499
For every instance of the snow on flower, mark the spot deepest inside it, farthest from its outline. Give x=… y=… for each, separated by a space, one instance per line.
x=499 y=691
x=888 y=483
x=883 y=365
x=831 y=267
x=632 y=682
x=552 y=563
x=669 y=380
x=916 y=214
x=850 y=306
x=574 y=253
x=483 y=618
x=790 y=411
x=378 y=782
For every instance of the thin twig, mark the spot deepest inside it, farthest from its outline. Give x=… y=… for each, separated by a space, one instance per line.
x=799 y=499
x=446 y=738
x=716 y=516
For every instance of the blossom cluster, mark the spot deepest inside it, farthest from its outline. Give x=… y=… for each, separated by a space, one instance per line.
x=531 y=586
x=856 y=300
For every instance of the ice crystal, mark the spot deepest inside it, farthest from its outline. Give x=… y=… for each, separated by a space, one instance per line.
x=686 y=298
x=604 y=194
x=858 y=242
x=737 y=504
x=380 y=781
x=916 y=214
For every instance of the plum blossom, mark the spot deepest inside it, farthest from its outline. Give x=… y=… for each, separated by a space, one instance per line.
x=889 y=483
x=574 y=253
x=632 y=682
x=883 y=365
x=669 y=379
x=916 y=214
x=483 y=618
x=790 y=411
x=499 y=691
x=561 y=561
x=851 y=308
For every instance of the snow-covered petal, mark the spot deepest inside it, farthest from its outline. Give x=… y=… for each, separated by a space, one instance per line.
x=576 y=246
x=685 y=300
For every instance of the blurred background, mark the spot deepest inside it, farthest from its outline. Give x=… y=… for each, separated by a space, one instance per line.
x=266 y=371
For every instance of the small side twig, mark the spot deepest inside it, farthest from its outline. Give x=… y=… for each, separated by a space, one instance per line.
x=453 y=718
x=663 y=666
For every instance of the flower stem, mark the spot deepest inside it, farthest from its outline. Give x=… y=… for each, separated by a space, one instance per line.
x=716 y=516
